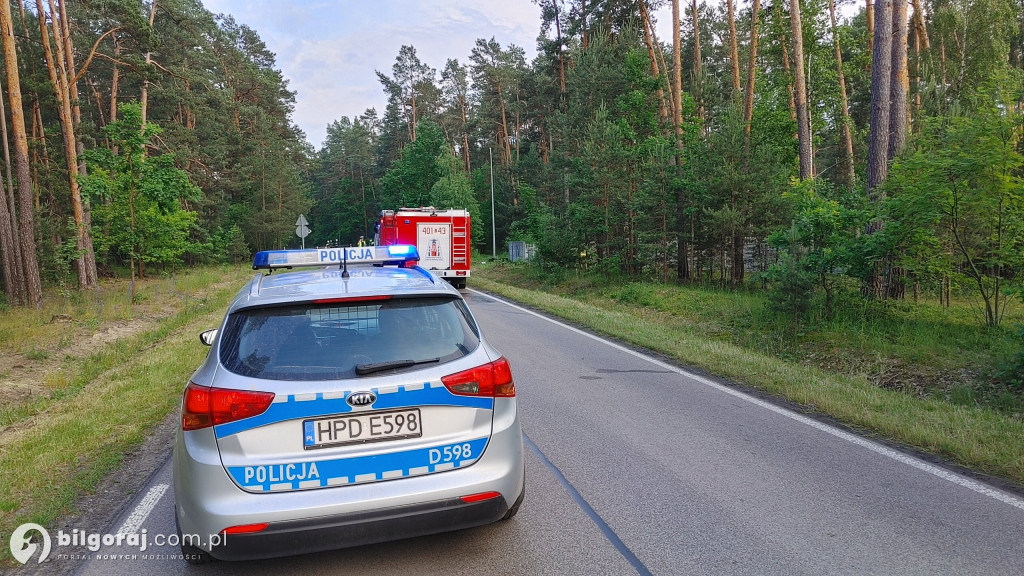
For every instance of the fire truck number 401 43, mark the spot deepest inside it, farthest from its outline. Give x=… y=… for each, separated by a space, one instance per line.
x=442 y=237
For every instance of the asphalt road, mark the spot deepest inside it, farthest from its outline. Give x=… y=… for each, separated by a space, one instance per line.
x=638 y=467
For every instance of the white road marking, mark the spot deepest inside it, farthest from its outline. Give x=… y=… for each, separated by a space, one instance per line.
x=138 y=516
x=917 y=463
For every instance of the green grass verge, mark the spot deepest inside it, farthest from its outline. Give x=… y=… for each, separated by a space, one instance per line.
x=976 y=437
x=61 y=446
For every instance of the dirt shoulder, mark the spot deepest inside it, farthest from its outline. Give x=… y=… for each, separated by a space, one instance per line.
x=89 y=385
x=37 y=345
x=97 y=511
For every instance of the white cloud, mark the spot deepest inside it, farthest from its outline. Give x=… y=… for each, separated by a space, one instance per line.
x=329 y=50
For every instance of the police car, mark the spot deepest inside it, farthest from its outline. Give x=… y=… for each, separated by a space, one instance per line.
x=349 y=402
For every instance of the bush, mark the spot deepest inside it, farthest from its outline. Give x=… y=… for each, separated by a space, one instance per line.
x=791 y=286
x=229 y=245
x=1012 y=372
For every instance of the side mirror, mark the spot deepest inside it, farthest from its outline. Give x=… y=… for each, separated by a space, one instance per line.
x=208 y=337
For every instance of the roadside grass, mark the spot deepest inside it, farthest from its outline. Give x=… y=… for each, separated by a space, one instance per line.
x=913 y=346
x=914 y=375
x=44 y=329
x=42 y=337
x=58 y=446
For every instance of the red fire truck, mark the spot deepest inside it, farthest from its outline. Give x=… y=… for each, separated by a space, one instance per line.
x=442 y=237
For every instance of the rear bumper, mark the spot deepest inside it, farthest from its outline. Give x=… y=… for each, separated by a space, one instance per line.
x=452 y=273
x=357 y=529
x=207 y=500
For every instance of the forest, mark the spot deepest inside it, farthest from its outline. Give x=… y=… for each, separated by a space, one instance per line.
x=780 y=145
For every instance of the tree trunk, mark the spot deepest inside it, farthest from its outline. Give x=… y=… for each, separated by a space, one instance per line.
x=734 y=52
x=698 y=80
x=144 y=97
x=506 y=147
x=89 y=255
x=677 y=80
x=800 y=81
x=518 y=125
x=660 y=54
x=26 y=213
x=739 y=236
x=60 y=81
x=655 y=70
x=101 y=113
x=10 y=250
x=881 y=77
x=869 y=14
x=919 y=26
x=942 y=60
x=788 y=68
x=677 y=121
x=465 y=135
x=899 y=82
x=878 y=137
x=851 y=173
x=583 y=20
x=561 y=58
x=899 y=86
x=412 y=124
x=748 y=103
x=47 y=161
x=921 y=39
x=115 y=79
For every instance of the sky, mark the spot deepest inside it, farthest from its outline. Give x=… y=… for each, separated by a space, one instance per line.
x=328 y=50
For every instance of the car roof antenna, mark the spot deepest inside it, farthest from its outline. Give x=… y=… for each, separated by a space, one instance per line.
x=344 y=263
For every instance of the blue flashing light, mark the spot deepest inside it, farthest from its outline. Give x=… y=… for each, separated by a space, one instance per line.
x=402 y=250
x=383 y=255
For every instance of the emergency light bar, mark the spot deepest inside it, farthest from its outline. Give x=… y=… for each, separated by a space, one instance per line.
x=386 y=255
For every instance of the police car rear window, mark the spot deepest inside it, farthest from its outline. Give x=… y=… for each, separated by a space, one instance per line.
x=325 y=342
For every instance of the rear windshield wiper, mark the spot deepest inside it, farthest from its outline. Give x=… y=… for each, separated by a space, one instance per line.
x=364 y=369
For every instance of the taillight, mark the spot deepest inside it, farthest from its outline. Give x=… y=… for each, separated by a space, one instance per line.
x=245 y=528
x=480 y=497
x=204 y=407
x=493 y=379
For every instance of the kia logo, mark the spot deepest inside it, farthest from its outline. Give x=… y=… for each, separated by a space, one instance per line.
x=361 y=398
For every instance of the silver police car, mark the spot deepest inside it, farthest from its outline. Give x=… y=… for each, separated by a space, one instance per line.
x=350 y=402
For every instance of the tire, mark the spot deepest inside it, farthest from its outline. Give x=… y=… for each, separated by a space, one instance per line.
x=193 y=555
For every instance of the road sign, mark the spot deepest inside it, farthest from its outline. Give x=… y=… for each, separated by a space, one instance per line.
x=302 y=228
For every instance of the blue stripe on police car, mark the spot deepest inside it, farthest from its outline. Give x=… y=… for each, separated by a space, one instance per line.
x=432 y=394
x=322 y=473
